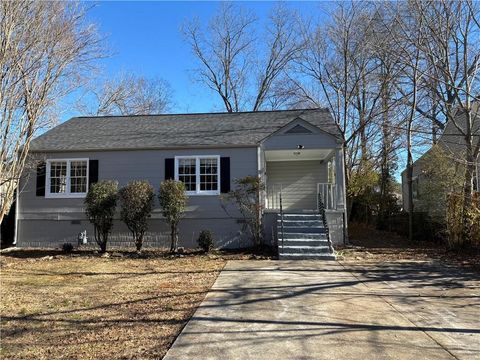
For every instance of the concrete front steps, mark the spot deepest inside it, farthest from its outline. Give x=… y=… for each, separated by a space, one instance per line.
x=305 y=237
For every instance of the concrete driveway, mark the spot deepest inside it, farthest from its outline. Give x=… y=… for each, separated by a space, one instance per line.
x=335 y=310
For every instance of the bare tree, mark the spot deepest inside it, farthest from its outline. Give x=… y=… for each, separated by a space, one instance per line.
x=447 y=38
x=240 y=67
x=454 y=52
x=339 y=60
x=127 y=95
x=45 y=50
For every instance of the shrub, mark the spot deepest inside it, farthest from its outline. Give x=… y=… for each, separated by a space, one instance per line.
x=205 y=240
x=137 y=200
x=101 y=201
x=173 y=200
x=246 y=196
x=455 y=220
x=67 y=248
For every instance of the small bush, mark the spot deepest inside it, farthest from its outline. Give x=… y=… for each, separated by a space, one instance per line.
x=100 y=204
x=205 y=240
x=455 y=220
x=173 y=200
x=67 y=248
x=137 y=199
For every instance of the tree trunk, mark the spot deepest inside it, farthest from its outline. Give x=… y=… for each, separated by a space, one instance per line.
x=410 y=168
x=139 y=242
x=176 y=237
x=103 y=243
x=467 y=196
x=410 y=189
x=384 y=161
x=173 y=235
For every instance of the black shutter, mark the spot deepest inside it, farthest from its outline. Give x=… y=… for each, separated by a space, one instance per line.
x=224 y=174
x=92 y=172
x=41 y=179
x=169 y=169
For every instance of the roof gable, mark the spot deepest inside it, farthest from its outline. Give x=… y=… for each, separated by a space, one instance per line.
x=298 y=129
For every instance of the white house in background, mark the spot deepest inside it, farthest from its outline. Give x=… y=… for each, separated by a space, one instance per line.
x=297 y=153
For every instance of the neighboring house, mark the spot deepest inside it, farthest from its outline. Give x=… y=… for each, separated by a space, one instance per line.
x=298 y=153
x=453 y=145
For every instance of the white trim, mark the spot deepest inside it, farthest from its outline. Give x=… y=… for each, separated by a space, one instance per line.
x=197 y=173
x=67 y=194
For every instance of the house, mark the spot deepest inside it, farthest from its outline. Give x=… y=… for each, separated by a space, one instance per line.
x=297 y=153
x=427 y=198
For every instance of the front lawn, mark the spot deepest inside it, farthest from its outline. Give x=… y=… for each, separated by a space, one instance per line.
x=92 y=307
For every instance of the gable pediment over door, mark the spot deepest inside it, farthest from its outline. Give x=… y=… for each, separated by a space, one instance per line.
x=298 y=129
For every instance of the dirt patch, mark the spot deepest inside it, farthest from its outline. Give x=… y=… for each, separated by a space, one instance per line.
x=86 y=306
x=369 y=244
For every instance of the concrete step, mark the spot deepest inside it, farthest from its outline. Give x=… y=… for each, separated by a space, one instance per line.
x=305 y=256
x=300 y=217
x=301 y=230
x=295 y=249
x=302 y=236
x=300 y=223
x=303 y=242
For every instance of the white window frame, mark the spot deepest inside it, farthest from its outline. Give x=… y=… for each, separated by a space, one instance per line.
x=67 y=194
x=197 y=173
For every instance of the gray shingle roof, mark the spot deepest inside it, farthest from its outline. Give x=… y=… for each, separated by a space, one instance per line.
x=175 y=130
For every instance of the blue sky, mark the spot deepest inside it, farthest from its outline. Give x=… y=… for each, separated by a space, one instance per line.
x=145 y=39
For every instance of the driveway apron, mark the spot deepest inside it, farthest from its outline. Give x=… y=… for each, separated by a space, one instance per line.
x=334 y=310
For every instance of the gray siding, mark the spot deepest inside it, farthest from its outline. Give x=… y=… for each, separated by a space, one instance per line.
x=299 y=182
x=50 y=220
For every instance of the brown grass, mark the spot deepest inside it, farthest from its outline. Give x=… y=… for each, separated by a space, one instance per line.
x=90 y=307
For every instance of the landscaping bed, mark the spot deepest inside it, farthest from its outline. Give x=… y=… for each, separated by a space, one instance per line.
x=89 y=306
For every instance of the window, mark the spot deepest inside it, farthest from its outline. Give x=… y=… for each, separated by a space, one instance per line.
x=58 y=177
x=67 y=178
x=200 y=174
x=187 y=173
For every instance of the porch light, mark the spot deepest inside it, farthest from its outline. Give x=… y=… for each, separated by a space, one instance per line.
x=300 y=147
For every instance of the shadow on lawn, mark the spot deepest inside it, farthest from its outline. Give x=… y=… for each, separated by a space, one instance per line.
x=412 y=276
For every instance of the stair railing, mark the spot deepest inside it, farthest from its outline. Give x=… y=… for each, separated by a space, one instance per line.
x=321 y=210
x=281 y=217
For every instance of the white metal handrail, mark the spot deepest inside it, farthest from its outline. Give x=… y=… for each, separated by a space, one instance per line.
x=273 y=196
x=328 y=192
